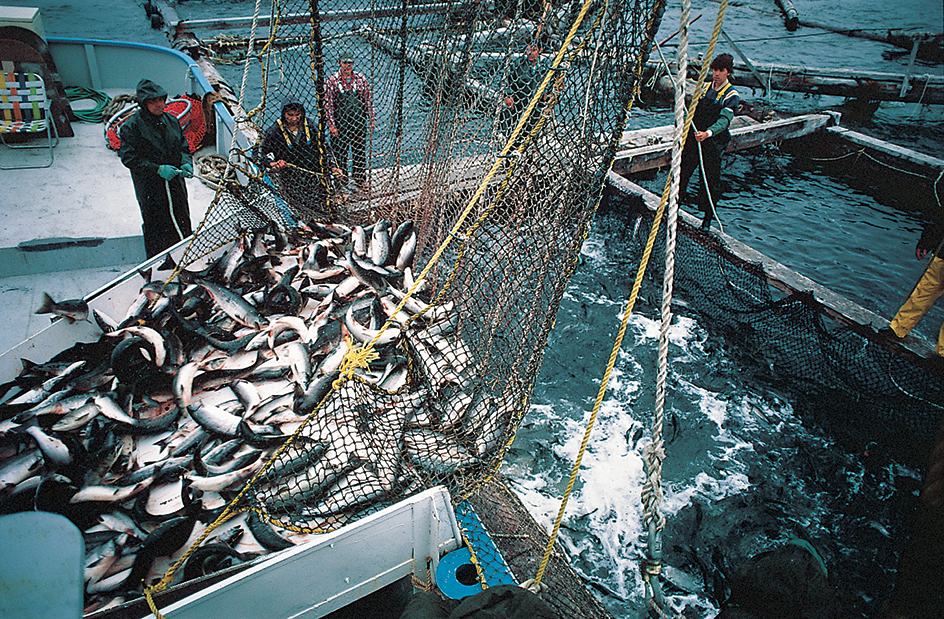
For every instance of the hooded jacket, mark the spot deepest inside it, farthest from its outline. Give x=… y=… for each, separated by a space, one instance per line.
x=149 y=90
x=148 y=141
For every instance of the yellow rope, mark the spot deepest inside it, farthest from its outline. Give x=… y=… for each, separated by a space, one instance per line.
x=457 y=227
x=495 y=201
x=357 y=357
x=630 y=304
x=231 y=509
x=360 y=356
x=479 y=573
x=165 y=581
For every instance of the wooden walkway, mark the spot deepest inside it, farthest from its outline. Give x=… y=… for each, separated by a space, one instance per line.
x=641 y=149
x=646 y=149
x=917 y=87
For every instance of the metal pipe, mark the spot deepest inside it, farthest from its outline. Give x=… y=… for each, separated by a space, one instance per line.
x=791 y=18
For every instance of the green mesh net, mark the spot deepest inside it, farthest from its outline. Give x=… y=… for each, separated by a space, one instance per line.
x=875 y=393
x=487 y=130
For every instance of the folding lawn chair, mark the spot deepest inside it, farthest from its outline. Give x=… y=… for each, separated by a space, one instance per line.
x=25 y=109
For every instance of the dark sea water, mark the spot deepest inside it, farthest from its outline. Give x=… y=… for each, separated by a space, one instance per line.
x=741 y=454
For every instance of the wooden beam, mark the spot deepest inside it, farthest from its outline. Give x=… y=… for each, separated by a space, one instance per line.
x=871 y=85
x=931 y=165
x=745 y=133
x=929 y=46
x=857 y=84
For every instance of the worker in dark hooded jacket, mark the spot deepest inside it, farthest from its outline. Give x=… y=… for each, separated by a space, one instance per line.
x=290 y=150
x=153 y=147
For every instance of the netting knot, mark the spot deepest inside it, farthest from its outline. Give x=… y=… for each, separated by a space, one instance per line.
x=357 y=357
x=535 y=587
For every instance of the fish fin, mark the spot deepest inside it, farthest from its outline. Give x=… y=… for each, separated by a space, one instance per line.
x=46 y=307
x=146 y=274
x=168 y=264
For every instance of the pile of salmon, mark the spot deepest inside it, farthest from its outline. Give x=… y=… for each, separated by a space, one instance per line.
x=143 y=437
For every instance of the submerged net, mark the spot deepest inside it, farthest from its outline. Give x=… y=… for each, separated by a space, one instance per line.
x=875 y=394
x=477 y=157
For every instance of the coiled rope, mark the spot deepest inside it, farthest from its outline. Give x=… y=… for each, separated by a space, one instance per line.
x=101 y=99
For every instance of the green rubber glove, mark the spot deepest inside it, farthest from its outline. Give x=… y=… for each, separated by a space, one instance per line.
x=167 y=172
x=187 y=170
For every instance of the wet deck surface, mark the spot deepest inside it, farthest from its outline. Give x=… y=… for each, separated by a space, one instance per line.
x=85 y=194
x=81 y=217
x=23 y=294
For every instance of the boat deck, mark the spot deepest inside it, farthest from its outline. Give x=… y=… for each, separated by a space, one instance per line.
x=70 y=228
x=78 y=213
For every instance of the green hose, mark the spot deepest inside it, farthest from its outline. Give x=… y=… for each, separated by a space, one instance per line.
x=77 y=93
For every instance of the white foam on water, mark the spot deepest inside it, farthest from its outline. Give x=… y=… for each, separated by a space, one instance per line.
x=603 y=529
x=594 y=249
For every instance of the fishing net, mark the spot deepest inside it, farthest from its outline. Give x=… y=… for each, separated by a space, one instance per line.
x=452 y=178
x=874 y=394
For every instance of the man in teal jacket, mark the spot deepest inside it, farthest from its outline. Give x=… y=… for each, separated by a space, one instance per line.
x=154 y=149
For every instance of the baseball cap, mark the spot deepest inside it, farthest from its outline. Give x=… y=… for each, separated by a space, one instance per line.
x=346 y=56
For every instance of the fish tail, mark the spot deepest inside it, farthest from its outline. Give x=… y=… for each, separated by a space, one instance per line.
x=47 y=306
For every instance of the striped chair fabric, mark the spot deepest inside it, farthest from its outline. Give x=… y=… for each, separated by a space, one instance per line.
x=23 y=105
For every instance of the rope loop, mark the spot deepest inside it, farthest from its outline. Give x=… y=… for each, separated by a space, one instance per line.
x=654 y=453
x=651 y=568
x=535 y=587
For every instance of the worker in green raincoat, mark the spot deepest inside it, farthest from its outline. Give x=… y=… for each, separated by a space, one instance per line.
x=709 y=136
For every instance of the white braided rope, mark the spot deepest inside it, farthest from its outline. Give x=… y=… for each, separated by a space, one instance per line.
x=249 y=53
x=655 y=452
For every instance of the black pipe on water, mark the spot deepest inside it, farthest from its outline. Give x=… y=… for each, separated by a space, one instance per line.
x=791 y=18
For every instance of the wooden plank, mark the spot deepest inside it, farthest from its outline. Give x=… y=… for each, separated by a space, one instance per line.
x=929 y=164
x=788 y=281
x=930 y=46
x=871 y=85
x=465 y=173
x=745 y=134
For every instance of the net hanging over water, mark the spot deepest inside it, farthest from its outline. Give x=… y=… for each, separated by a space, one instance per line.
x=863 y=392
x=434 y=169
